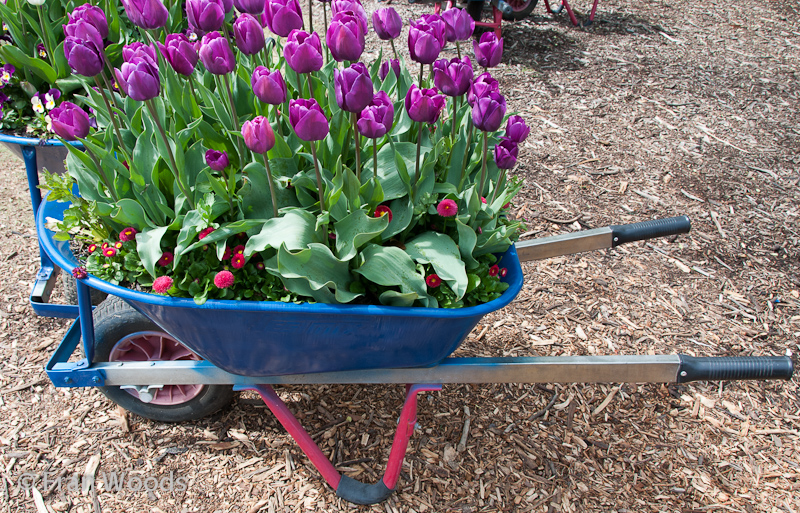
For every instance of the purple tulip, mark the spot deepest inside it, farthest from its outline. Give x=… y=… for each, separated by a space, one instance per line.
x=138 y=50
x=505 y=153
x=258 y=134
x=482 y=86
x=308 y=120
x=216 y=54
x=489 y=111
x=516 y=129
x=249 y=34
x=387 y=23
x=70 y=122
x=180 y=53
x=303 y=51
x=345 y=37
x=453 y=77
x=85 y=57
x=82 y=29
x=283 y=16
x=148 y=14
x=459 y=25
x=217 y=160
x=139 y=79
x=205 y=15
x=489 y=50
x=249 y=6
x=384 y=71
x=268 y=86
x=227 y=5
x=426 y=38
x=355 y=6
x=376 y=119
x=424 y=105
x=353 y=87
x=92 y=15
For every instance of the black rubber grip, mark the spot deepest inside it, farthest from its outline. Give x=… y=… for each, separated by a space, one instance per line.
x=649 y=230
x=361 y=493
x=734 y=368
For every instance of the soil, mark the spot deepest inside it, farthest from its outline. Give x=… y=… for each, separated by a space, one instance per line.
x=658 y=109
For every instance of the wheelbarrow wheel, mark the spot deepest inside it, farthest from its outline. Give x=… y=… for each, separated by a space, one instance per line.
x=520 y=9
x=69 y=288
x=475 y=9
x=122 y=334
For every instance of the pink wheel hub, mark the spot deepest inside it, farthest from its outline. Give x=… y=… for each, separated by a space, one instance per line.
x=518 y=5
x=156 y=346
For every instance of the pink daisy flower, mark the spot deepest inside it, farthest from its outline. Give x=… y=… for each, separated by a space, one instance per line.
x=104 y=245
x=227 y=254
x=381 y=210
x=433 y=280
x=92 y=248
x=223 y=279
x=118 y=245
x=162 y=284
x=166 y=258
x=494 y=270
x=238 y=250
x=205 y=232
x=447 y=208
x=260 y=266
x=483 y=200
x=237 y=261
x=109 y=252
x=503 y=272
x=127 y=234
x=80 y=273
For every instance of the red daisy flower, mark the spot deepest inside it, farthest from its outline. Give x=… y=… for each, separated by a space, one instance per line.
x=224 y=279
x=447 y=208
x=80 y=273
x=238 y=250
x=380 y=210
x=205 y=232
x=503 y=272
x=92 y=248
x=109 y=252
x=227 y=254
x=118 y=245
x=127 y=234
x=237 y=261
x=433 y=280
x=260 y=266
x=483 y=200
x=104 y=245
x=162 y=284
x=166 y=258
x=494 y=270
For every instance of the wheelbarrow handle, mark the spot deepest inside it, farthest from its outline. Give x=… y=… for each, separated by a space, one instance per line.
x=600 y=238
x=732 y=368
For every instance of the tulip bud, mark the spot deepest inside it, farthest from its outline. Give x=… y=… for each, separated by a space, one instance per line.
x=70 y=121
x=426 y=38
x=505 y=153
x=258 y=134
x=355 y=7
x=384 y=71
x=138 y=50
x=139 y=79
x=377 y=118
x=353 y=87
x=216 y=54
x=308 y=120
x=148 y=14
x=489 y=50
x=459 y=25
x=387 y=23
x=253 y=7
x=345 y=37
x=268 y=86
x=283 y=16
x=217 y=160
x=249 y=34
x=453 y=77
x=489 y=111
x=482 y=86
x=516 y=129
x=424 y=105
x=93 y=15
x=84 y=56
x=303 y=51
x=180 y=53
x=205 y=15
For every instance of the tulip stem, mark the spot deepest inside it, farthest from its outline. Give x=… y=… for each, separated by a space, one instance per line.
x=278 y=119
x=325 y=18
x=466 y=152
x=174 y=166
x=108 y=84
x=455 y=112
x=394 y=49
x=310 y=19
x=233 y=115
x=111 y=115
x=458 y=49
x=483 y=164
x=421 y=71
x=48 y=49
x=416 y=172
x=271 y=186
x=103 y=175
x=375 y=160
x=319 y=177
x=497 y=185
x=310 y=87
x=354 y=120
x=194 y=92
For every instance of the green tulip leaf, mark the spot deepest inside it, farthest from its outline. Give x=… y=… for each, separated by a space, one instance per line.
x=392 y=267
x=355 y=230
x=148 y=245
x=316 y=272
x=441 y=252
x=294 y=231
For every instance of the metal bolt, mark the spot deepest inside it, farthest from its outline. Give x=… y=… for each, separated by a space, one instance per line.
x=68 y=380
x=152 y=364
x=96 y=380
x=684 y=373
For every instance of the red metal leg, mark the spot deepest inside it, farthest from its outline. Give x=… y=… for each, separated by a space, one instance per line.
x=572 y=17
x=594 y=10
x=347 y=488
x=547 y=6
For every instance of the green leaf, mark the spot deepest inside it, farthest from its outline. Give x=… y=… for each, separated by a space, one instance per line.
x=466 y=244
x=393 y=182
x=189 y=228
x=224 y=232
x=130 y=213
x=441 y=252
x=148 y=245
x=315 y=267
x=392 y=267
x=355 y=230
x=294 y=231
x=394 y=298
x=12 y=54
x=402 y=214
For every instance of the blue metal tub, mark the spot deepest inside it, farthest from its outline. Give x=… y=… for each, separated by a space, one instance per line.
x=263 y=338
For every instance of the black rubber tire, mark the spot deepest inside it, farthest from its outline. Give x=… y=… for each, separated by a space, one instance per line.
x=475 y=9
x=115 y=319
x=69 y=288
x=521 y=13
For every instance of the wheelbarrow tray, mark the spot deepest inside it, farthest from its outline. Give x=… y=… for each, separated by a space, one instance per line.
x=269 y=338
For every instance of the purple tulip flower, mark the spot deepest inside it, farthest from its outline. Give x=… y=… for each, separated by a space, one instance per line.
x=148 y=14
x=516 y=129
x=377 y=118
x=482 y=86
x=85 y=57
x=180 y=53
x=137 y=50
x=489 y=111
x=424 y=105
x=489 y=50
x=139 y=79
x=283 y=16
x=249 y=6
x=459 y=25
x=217 y=160
x=258 y=134
x=394 y=64
x=216 y=54
x=505 y=153
x=205 y=15
x=92 y=15
x=70 y=122
x=268 y=86
x=308 y=120
x=249 y=34
x=303 y=51
x=227 y=5
x=82 y=29
x=353 y=87
x=453 y=77
x=387 y=23
x=426 y=38
x=345 y=37
x=355 y=6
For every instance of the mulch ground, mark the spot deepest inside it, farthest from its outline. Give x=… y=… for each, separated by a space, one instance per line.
x=658 y=109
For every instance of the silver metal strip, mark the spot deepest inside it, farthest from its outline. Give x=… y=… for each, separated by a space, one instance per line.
x=558 y=369
x=566 y=244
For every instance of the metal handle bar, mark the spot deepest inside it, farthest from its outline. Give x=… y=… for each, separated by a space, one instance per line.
x=600 y=238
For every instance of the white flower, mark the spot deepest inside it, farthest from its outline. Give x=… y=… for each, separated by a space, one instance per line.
x=5 y=77
x=49 y=122
x=36 y=2
x=49 y=101
x=37 y=105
